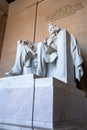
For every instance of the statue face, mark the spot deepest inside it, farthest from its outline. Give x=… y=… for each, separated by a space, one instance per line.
x=51 y=29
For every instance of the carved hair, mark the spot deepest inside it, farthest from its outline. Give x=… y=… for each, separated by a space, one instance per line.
x=56 y=29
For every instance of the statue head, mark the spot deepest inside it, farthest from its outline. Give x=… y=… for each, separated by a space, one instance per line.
x=52 y=28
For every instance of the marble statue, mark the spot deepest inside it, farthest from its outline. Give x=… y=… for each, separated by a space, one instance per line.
x=57 y=56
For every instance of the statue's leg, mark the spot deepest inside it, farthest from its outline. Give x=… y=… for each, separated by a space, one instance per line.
x=20 y=60
x=41 y=69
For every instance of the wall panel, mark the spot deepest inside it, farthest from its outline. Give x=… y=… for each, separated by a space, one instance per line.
x=3 y=19
x=20 y=25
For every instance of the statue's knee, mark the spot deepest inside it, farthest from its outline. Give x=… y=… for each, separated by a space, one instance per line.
x=40 y=44
x=39 y=47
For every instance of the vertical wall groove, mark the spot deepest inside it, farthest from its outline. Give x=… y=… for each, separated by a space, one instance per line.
x=35 y=21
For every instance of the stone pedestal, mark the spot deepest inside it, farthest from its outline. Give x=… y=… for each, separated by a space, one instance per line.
x=31 y=103
x=16 y=100
x=57 y=102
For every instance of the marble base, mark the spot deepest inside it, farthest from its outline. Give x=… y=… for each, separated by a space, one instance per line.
x=57 y=102
x=16 y=100
x=69 y=125
x=31 y=103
